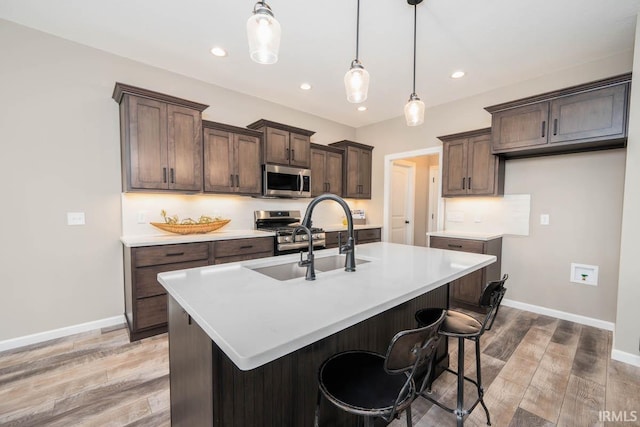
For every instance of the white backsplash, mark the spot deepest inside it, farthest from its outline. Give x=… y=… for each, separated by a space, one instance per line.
x=237 y=208
x=501 y=215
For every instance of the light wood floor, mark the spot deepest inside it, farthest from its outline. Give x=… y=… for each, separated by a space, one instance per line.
x=537 y=371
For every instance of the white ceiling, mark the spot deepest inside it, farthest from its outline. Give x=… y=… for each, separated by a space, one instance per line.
x=497 y=42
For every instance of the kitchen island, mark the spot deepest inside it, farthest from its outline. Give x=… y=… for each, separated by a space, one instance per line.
x=244 y=347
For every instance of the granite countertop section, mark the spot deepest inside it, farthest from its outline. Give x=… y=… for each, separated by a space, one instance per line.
x=169 y=239
x=465 y=235
x=225 y=300
x=340 y=227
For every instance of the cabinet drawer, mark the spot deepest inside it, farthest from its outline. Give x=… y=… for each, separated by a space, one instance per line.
x=151 y=312
x=225 y=248
x=146 y=280
x=463 y=245
x=368 y=235
x=170 y=254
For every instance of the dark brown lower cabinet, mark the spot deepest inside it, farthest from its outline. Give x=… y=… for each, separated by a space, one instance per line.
x=207 y=389
x=465 y=292
x=146 y=299
x=365 y=235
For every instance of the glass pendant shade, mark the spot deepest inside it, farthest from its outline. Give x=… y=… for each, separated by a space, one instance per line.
x=356 y=83
x=414 y=111
x=263 y=32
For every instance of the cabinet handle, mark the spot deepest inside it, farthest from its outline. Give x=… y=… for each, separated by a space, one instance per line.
x=175 y=254
x=246 y=247
x=164 y=175
x=464 y=187
x=454 y=246
x=188 y=317
x=469 y=183
x=231 y=180
x=287 y=151
x=328 y=187
x=293 y=154
x=237 y=180
x=555 y=126
x=173 y=177
x=544 y=128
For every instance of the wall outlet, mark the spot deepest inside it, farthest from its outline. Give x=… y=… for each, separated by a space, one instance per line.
x=75 y=218
x=455 y=216
x=477 y=218
x=544 y=219
x=142 y=217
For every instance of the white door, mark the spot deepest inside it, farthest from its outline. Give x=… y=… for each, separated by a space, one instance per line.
x=402 y=201
x=434 y=185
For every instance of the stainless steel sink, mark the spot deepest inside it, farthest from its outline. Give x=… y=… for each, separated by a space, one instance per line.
x=291 y=270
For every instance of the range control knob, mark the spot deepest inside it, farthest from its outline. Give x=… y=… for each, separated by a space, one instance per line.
x=287 y=239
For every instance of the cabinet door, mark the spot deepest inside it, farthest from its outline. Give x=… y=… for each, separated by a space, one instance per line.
x=247 y=158
x=598 y=114
x=468 y=288
x=147 y=144
x=352 y=172
x=481 y=166
x=364 y=166
x=520 y=127
x=276 y=146
x=184 y=132
x=319 y=181
x=454 y=168
x=300 y=148
x=219 y=170
x=333 y=173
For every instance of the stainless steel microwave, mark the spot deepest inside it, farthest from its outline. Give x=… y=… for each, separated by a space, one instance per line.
x=285 y=181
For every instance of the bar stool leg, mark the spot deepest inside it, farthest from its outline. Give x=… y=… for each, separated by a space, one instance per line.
x=460 y=398
x=316 y=422
x=409 y=420
x=479 y=379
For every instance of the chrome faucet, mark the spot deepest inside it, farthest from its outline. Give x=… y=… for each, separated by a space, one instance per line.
x=348 y=248
x=311 y=273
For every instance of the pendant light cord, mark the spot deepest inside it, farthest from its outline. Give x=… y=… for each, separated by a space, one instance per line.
x=415 y=21
x=357 y=29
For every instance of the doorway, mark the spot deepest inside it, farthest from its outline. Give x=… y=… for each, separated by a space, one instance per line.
x=421 y=205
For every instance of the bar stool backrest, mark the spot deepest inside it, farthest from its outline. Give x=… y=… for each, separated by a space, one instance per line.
x=490 y=299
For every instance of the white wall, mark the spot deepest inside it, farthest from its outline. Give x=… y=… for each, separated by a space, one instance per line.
x=554 y=183
x=59 y=130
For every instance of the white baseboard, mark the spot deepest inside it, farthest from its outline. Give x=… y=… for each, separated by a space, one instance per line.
x=59 y=333
x=583 y=320
x=628 y=358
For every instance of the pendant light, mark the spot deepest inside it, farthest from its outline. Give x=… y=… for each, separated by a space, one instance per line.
x=414 y=109
x=263 y=32
x=356 y=81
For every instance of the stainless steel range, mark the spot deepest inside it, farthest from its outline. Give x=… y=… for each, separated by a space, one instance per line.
x=283 y=223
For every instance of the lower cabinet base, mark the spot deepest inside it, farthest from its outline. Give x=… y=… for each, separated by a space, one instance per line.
x=207 y=389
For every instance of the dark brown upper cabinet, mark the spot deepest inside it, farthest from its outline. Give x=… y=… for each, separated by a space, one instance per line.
x=231 y=159
x=283 y=144
x=468 y=167
x=592 y=116
x=356 y=169
x=161 y=139
x=326 y=170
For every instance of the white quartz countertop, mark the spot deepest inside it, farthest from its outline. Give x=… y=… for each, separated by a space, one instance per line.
x=340 y=227
x=465 y=235
x=255 y=319
x=168 y=239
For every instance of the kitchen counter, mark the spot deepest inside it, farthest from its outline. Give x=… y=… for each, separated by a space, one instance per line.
x=169 y=239
x=340 y=227
x=255 y=319
x=465 y=235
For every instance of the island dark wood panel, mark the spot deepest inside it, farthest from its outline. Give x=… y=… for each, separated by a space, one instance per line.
x=207 y=389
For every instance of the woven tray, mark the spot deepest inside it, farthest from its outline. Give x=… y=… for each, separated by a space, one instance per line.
x=191 y=228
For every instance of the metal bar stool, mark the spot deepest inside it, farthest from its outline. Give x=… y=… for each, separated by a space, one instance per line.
x=462 y=326
x=371 y=385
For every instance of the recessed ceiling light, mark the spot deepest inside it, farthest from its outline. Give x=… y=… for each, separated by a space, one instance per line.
x=457 y=74
x=218 y=51
x=362 y=108
x=305 y=86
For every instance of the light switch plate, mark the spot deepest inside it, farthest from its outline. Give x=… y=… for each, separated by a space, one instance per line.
x=75 y=218
x=544 y=219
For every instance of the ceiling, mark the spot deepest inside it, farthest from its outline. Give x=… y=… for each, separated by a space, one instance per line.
x=497 y=43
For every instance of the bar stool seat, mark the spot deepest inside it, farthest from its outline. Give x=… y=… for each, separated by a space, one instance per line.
x=463 y=326
x=373 y=385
